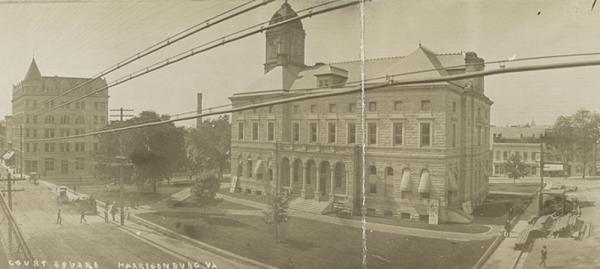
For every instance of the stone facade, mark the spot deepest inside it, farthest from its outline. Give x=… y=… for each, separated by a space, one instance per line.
x=422 y=143
x=64 y=158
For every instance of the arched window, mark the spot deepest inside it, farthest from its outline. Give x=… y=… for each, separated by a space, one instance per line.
x=389 y=171
x=372 y=170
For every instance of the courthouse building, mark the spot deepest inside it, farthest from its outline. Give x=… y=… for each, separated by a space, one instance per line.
x=426 y=144
x=31 y=120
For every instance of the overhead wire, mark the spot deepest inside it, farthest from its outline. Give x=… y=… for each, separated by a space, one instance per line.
x=221 y=17
x=337 y=92
x=199 y=49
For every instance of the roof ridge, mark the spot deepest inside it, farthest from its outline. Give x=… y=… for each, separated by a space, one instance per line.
x=367 y=60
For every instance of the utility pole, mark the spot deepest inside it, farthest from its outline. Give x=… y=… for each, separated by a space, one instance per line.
x=121 y=160
x=22 y=151
x=541 y=195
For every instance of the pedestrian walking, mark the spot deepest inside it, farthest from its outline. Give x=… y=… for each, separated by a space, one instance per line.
x=507 y=228
x=113 y=212
x=544 y=256
x=105 y=216
x=58 y=217
x=82 y=219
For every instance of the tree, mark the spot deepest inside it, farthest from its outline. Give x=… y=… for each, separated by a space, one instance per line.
x=205 y=191
x=156 y=152
x=563 y=139
x=277 y=214
x=210 y=146
x=586 y=127
x=515 y=168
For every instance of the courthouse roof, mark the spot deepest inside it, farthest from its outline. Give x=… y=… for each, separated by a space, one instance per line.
x=411 y=66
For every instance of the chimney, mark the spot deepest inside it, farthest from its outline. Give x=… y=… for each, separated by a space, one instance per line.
x=474 y=64
x=198 y=109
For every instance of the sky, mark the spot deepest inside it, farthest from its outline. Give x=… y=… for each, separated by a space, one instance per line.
x=82 y=38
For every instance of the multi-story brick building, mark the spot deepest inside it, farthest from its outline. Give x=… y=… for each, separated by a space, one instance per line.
x=523 y=141
x=31 y=121
x=425 y=143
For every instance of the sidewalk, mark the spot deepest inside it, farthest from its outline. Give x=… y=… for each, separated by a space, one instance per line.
x=374 y=226
x=506 y=255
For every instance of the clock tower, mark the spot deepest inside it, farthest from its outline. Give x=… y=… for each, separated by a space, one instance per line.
x=285 y=43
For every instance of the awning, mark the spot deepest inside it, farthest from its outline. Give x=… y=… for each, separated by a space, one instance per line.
x=553 y=167
x=424 y=184
x=405 y=183
x=256 y=167
x=8 y=155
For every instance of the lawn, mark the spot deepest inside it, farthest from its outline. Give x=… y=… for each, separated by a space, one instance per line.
x=223 y=204
x=265 y=199
x=312 y=244
x=519 y=187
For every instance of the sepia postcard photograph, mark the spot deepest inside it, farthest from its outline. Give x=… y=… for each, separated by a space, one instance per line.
x=299 y=134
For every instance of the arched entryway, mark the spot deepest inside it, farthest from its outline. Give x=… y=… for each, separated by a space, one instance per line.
x=310 y=173
x=324 y=179
x=340 y=177
x=285 y=173
x=297 y=175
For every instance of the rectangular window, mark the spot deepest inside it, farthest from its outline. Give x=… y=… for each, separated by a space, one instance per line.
x=534 y=156
x=398 y=133
x=332 y=108
x=313 y=132
x=372 y=106
x=331 y=132
x=270 y=109
x=34 y=133
x=296 y=131
x=478 y=135
x=425 y=105
x=49 y=163
x=397 y=105
x=313 y=108
x=372 y=131
x=240 y=131
x=35 y=149
x=373 y=188
x=255 y=131
x=296 y=108
x=271 y=131
x=525 y=156
x=454 y=107
x=351 y=133
x=425 y=132
x=351 y=107
x=504 y=155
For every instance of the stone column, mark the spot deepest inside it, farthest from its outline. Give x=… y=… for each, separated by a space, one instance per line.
x=317 y=184
x=291 y=178
x=332 y=184
x=304 y=177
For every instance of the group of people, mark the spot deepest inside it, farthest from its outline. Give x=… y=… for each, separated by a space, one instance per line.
x=110 y=208
x=59 y=219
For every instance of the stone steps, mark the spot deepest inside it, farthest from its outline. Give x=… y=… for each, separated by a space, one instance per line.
x=308 y=205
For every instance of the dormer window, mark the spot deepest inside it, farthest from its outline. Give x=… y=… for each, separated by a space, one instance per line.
x=323 y=82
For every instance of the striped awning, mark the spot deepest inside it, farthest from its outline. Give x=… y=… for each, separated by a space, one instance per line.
x=257 y=167
x=425 y=183
x=405 y=183
x=8 y=155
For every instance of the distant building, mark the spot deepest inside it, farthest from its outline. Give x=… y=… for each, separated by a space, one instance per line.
x=523 y=141
x=71 y=157
x=426 y=143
